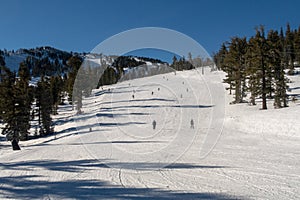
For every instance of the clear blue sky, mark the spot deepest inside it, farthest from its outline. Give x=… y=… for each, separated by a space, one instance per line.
x=78 y=25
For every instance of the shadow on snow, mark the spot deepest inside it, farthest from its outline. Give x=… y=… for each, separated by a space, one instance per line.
x=30 y=187
x=37 y=186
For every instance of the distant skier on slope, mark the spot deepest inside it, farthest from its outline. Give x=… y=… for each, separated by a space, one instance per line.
x=154 y=124
x=192 y=124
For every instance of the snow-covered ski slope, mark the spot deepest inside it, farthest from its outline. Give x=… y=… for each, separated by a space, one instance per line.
x=111 y=151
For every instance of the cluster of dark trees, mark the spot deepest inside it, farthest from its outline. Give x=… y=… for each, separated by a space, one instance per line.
x=113 y=73
x=22 y=103
x=131 y=61
x=258 y=65
x=110 y=76
x=2 y=61
x=181 y=64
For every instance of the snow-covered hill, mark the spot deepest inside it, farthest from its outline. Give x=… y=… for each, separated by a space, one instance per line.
x=51 y=61
x=13 y=59
x=111 y=151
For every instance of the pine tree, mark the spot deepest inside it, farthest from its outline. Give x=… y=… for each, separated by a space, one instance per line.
x=236 y=58
x=275 y=63
x=252 y=72
x=23 y=100
x=220 y=59
x=74 y=63
x=289 y=49
x=174 y=63
x=56 y=88
x=258 y=65
x=284 y=61
x=297 y=46
x=44 y=103
x=259 y=52
x=8 y=107
x=16 y=104
x=181 y=64
x=109 y=77
x=80 y=84
x=2 y=61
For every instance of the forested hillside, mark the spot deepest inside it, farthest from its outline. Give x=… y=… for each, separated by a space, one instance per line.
x=256 y=67
x=26 y=106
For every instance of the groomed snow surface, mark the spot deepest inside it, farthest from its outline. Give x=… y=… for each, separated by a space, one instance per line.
x=111 y=151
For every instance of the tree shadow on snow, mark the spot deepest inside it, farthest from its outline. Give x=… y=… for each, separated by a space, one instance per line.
x=108 y=114
x=139 y=100
x=156 y=106
x=86 y=127
x=94 y=143
x=34 y=186
x=85 y=164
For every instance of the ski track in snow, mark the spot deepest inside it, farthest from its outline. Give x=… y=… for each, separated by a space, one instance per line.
x=248 y=162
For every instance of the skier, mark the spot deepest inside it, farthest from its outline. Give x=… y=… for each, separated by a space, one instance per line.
x=192 y=124
x=154 y=124
x=133 y=96
x=152 y=93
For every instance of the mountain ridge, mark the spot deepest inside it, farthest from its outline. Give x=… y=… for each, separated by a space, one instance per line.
x=47 y=60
